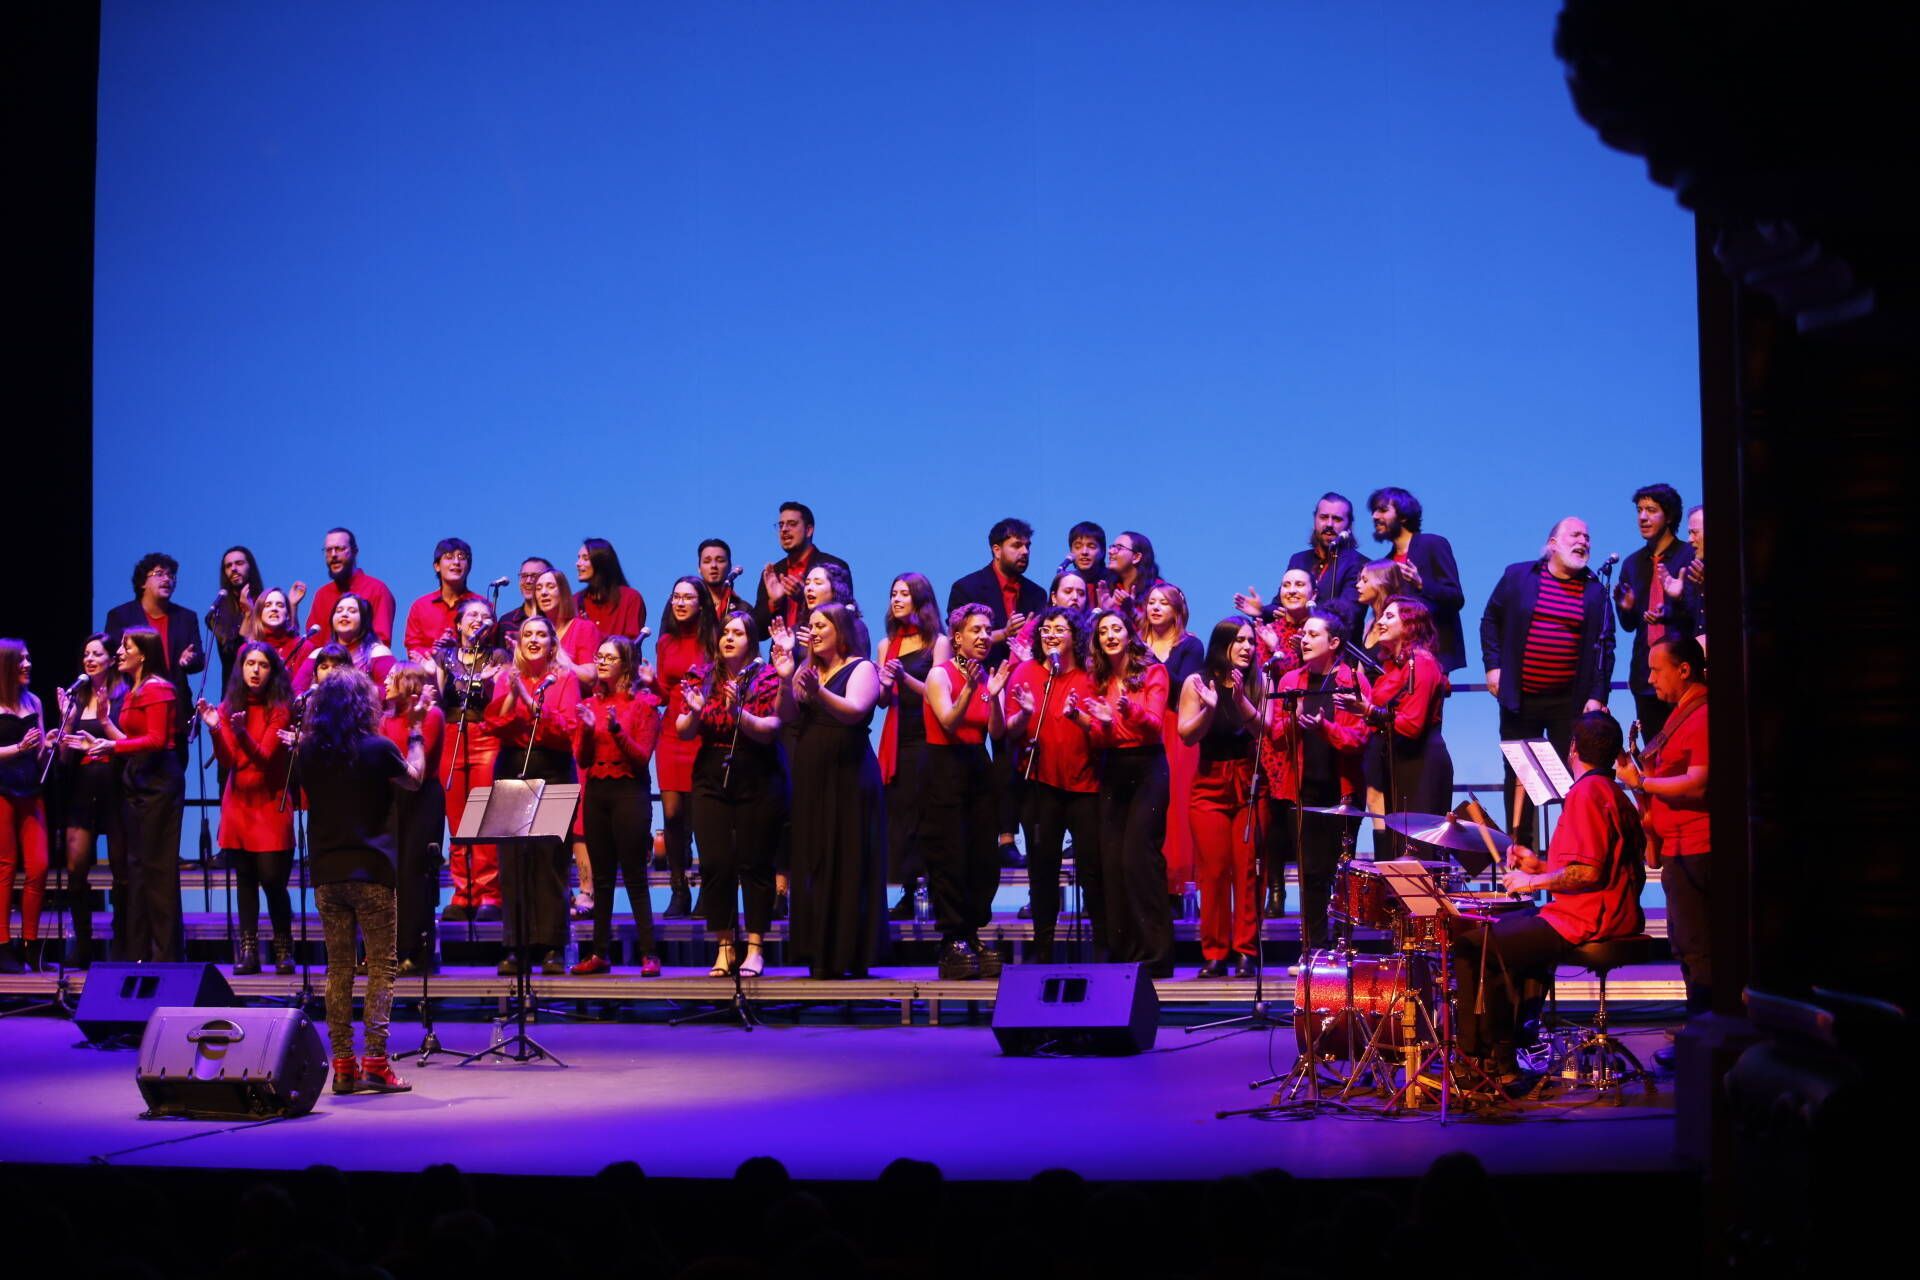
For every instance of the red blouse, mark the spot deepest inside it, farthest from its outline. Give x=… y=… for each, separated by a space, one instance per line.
x=972 y=730
x=582 y=641
x=624 y=615
x=433 y=732
x=430 y=620
x=558 y=717
x=1143 y=723
x=147 y=719
x=1065 y=745
x=719 y=714
x=599 y=752
x=249 y=745
x=1418 y=713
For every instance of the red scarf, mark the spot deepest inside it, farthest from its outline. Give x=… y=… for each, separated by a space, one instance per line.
x=890 y=730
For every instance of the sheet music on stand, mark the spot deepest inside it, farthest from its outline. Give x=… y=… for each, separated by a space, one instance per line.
x=1409 y=881
x=1540 y=770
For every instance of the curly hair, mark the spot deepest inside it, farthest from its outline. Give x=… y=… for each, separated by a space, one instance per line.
x=279 y=687
x=341 y=711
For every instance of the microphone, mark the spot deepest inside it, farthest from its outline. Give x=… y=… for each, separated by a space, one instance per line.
x=498 y=583
x=313 y=630
x=1054 y=662
x=1342 y=539
x=1606 y=566
x=644 y=633
x=733 y=574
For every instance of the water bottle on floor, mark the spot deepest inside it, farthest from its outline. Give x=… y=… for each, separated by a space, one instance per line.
x=922 y=903
x=1190 y=902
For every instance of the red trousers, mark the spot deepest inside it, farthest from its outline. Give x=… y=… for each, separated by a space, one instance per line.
x=23 y=842
x=1182 y=759
x=1224 y=870
x=475 y=867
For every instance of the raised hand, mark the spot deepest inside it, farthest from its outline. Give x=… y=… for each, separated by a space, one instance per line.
x=781 y=637
x=695 y=697
x=1023 y=698
x=775 y=583
x=1015 y=621
x=587 y=719
x=1209 y=695
x=998 y=680
x=1624 y=597
x=643 y=674
x=1021 y=650
x=1099 y=710
x=1412 y=575
x=295 y=594
x=1247 y=602
x=208 y=713
x=889 y=672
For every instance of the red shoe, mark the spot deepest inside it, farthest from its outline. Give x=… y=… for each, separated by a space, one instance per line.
x=346 y=1074
x=650 y=967
x=590 y=965
x=376 y=1076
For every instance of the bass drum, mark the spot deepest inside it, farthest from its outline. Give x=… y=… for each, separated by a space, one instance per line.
x=1344 y=999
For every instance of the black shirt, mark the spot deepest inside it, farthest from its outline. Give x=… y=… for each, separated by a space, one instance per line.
x=350 y=810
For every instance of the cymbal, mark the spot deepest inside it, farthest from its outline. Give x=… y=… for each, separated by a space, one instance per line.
x=1444 y=831
x=1342 y=811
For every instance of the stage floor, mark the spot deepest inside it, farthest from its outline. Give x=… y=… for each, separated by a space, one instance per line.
x=831 y=1101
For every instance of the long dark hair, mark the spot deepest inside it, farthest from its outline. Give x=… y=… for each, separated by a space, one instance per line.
x=341 y=711
x=705 y=627
x=279 y=688
x=608 y=576
x=153 y=654
x=1147 y=570
x=624 y=682
x=716 y=684
x=845 y=619
x=925 y=617
x=1220 y=647
x=1137 y=656
x=13 y=690
x=362 y=646
x=255 y=583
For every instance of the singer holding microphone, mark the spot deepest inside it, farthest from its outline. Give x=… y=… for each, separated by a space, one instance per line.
x=256 y=834
x=1050 y=728
x=1547 y=643
x=535 y=707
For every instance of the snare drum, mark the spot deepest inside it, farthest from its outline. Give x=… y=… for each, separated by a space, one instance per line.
x=1360 y=897
x=1323 y=1007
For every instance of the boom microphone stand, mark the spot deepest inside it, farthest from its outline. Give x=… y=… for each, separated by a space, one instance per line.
x=429 y=1038
x=288 y=788
x=61 y=1002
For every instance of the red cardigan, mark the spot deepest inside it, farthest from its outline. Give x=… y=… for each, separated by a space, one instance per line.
x=249 y=745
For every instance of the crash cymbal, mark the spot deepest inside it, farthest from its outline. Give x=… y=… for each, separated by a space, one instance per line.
x=1342 y=811
x=1444 y=831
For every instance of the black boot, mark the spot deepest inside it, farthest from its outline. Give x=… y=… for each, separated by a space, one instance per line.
x=679 y=899
x=79 y=952
x=249 y=962
x=1276 y=901
x=282 y=955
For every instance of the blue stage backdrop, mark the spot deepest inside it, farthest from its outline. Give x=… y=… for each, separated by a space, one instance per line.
x=526 y=273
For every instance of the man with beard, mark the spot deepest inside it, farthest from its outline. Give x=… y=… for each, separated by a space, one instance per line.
x=1548 y=650
x=345 y=576
x=1427 y=561
x=1010 y=598
x=779 y=594
x=1646 y=611
x=1333 y=562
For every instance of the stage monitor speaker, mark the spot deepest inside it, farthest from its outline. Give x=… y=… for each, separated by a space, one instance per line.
x=118 y=997
x=230 y=1064
x=1075 y=1009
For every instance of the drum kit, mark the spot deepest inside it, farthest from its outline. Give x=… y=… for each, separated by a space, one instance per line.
x=1383 y=1024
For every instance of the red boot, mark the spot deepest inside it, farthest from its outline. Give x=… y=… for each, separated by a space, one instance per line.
x=346 y=1074
x=376 y=1076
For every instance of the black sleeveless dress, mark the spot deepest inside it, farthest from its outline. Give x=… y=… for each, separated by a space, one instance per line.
x=839 y=842
x=907 y=792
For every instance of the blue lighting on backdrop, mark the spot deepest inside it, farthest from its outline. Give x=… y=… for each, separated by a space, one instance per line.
x=526 y=273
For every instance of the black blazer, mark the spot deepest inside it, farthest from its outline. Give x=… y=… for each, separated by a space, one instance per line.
x=763 y=608
x=1637 y=572
x=1338 y=592
x=983 y=587
x=1509 y=616
x=1432 y=555
x=183 y=632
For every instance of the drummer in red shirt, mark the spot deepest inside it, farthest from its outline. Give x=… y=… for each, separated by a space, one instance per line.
x=1054 y=753
x=1594 y=869
x=256 y=829
x=431 y=618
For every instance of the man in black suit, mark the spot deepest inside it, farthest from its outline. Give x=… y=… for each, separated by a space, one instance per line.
x=1427 y=559
x=152 y=606
x=1012 y=597
x=1334 y=563
x=779 y=592
x=1647 y=611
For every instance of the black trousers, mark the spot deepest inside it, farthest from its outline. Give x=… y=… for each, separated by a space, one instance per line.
x=1521 y=951
x=152 y=797
x=1686 y=880
x=255 y=874
x=961 y=840
x=1549 y=715
x=419 y=818
x=619 y=825
x=1133 y=828
x=1055 y=813
x=1312 y=841
x=737 y=835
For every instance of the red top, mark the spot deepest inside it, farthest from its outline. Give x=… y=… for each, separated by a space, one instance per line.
x=720 y=715
x=674 y=657
x=623 y=615
x=558 y=717
x=147 y=719
x=725 y=601
x=1597 y=828
x=582 y=641
x=1065 y=757
x=159 y=624
x=1678 y=827
x=1551 y=657
x=431 y=620
x=1143 y=724
x=1288 y=633
x=433 y=732
x=249 y=745
x=293 y=648
x=1344 y=731
x=792 y=604
x=1009 y=591
x=599 y=752
x=973 y=725
x=1417 y=714
x=361 y=583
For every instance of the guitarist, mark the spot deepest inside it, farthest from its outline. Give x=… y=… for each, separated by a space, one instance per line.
x=1670 y=781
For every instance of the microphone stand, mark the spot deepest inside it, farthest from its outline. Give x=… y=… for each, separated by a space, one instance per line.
x=61 y=1003
x=465 y=767
x=206 y=827
x=304 y=999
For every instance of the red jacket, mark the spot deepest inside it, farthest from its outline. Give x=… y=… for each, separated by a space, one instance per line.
x=249 y=745
x=1280 y=745
x=1144 y=722
x=559 y=715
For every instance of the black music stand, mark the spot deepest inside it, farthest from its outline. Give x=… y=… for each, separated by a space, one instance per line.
x=518 y=811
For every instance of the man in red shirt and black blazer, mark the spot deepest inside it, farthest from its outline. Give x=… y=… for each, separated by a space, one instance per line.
x=152 y=606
